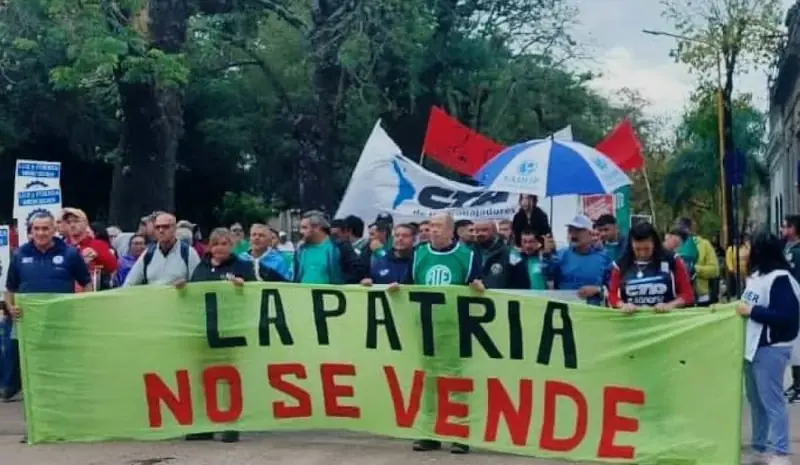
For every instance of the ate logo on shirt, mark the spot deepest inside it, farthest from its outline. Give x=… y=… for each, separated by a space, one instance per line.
x=438 y=275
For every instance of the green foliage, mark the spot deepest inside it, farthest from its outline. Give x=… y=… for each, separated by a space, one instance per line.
x=277 y=96
x=744 y=34
x=692 y=180
x=244 y=208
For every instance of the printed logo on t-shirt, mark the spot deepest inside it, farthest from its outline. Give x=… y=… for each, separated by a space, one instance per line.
x=496 y=268
x=438 y=275
x=58 y=260
x=384 y=272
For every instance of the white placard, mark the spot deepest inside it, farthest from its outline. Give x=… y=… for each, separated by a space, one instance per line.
x=37 y=187
x=386 y=181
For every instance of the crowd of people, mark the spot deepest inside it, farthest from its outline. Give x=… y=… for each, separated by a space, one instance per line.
x=642 y=271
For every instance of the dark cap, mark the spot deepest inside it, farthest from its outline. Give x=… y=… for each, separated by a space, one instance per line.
x=384 y=217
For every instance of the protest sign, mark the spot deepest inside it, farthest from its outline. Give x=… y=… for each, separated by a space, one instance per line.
x=386 y=181
x=509 y=373
x=37 y=188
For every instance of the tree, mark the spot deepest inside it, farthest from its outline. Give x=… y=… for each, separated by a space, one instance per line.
x=270 y=100
x=728 y=37
x=692 y=178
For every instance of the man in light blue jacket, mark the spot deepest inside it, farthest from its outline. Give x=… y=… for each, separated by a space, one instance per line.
x=268 y=262
x=581 y=266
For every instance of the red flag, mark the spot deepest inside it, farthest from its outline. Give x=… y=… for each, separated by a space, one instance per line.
x=623 y=147
x=456 y=146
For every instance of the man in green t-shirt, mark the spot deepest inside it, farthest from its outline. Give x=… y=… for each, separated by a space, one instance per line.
x=443 y=261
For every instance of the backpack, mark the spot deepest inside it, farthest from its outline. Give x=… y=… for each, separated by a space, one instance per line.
x=151 y=251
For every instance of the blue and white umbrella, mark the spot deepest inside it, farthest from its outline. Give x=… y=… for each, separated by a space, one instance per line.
x=551 y=167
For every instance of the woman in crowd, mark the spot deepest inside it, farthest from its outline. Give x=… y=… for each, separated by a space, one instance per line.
x=646 y=275
x=220 y=264
x=136 y=247
x=771 y=304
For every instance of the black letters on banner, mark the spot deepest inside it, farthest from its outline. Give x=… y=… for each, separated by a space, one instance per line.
x=515 y=348
x=472 y=326
x=549 y=333
x=373 y=298
x=279 y=320
x=215 y=341
x=321 y=314
x=426 y=301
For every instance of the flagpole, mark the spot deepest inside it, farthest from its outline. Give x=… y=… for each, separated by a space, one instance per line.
x=649 y=193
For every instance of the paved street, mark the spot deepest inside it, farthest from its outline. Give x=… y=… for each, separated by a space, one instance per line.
x=318 y=448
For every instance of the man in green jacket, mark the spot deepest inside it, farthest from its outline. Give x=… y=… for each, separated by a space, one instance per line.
x=501 y=269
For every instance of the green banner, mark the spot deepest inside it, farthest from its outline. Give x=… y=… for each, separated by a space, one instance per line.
x=515 y=374
x=622 y=205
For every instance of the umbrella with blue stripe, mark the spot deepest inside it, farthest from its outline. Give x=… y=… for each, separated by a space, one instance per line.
x=551 y=167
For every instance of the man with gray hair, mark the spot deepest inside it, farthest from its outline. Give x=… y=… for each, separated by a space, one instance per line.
x=320 y=259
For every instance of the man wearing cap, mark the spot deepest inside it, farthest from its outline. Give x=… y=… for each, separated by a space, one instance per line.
x=96 y=253
x=581 y=266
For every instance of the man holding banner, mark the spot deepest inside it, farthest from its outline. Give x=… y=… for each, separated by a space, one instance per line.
x=45 y=265
x=443 y=262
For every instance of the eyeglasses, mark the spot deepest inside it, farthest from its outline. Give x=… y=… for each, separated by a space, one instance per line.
x=237 y=230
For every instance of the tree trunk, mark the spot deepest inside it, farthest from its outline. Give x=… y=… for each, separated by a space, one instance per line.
x=144 y=179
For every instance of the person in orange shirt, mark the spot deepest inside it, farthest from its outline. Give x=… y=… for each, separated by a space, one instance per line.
x=96 y=253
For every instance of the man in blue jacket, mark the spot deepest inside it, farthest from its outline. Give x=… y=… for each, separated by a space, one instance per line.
x=581 y=266
x=44 y=265
x=393 y=267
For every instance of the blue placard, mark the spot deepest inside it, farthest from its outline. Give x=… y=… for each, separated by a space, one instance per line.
x=43 y=197
x=4 y=237
x=39 y=170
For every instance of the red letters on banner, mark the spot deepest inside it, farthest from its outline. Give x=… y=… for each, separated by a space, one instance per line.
x=211 y=378
x=446 y=407
x=552 y=391
x=280 y=409
x=452 y=405
x=613 y=423
x=156 y=391
x=331 y=391
x=405 y=413
x=518 y=419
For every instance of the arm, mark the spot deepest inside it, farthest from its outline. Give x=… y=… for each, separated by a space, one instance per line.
x=519 y=274
x=684 y=292
x=193 y=260
x=136 y=274
x=614 y=294
x=12 y=285
x=729 y=259
x=552 y=264
x=79 y=270
x=105 y=257
x=707 y=266
x=475 y=268
x=409 y=277
x=783 y=305
x=353 y=267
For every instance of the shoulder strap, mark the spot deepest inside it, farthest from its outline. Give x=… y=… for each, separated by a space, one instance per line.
x=148 y=257
x=185 y=257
